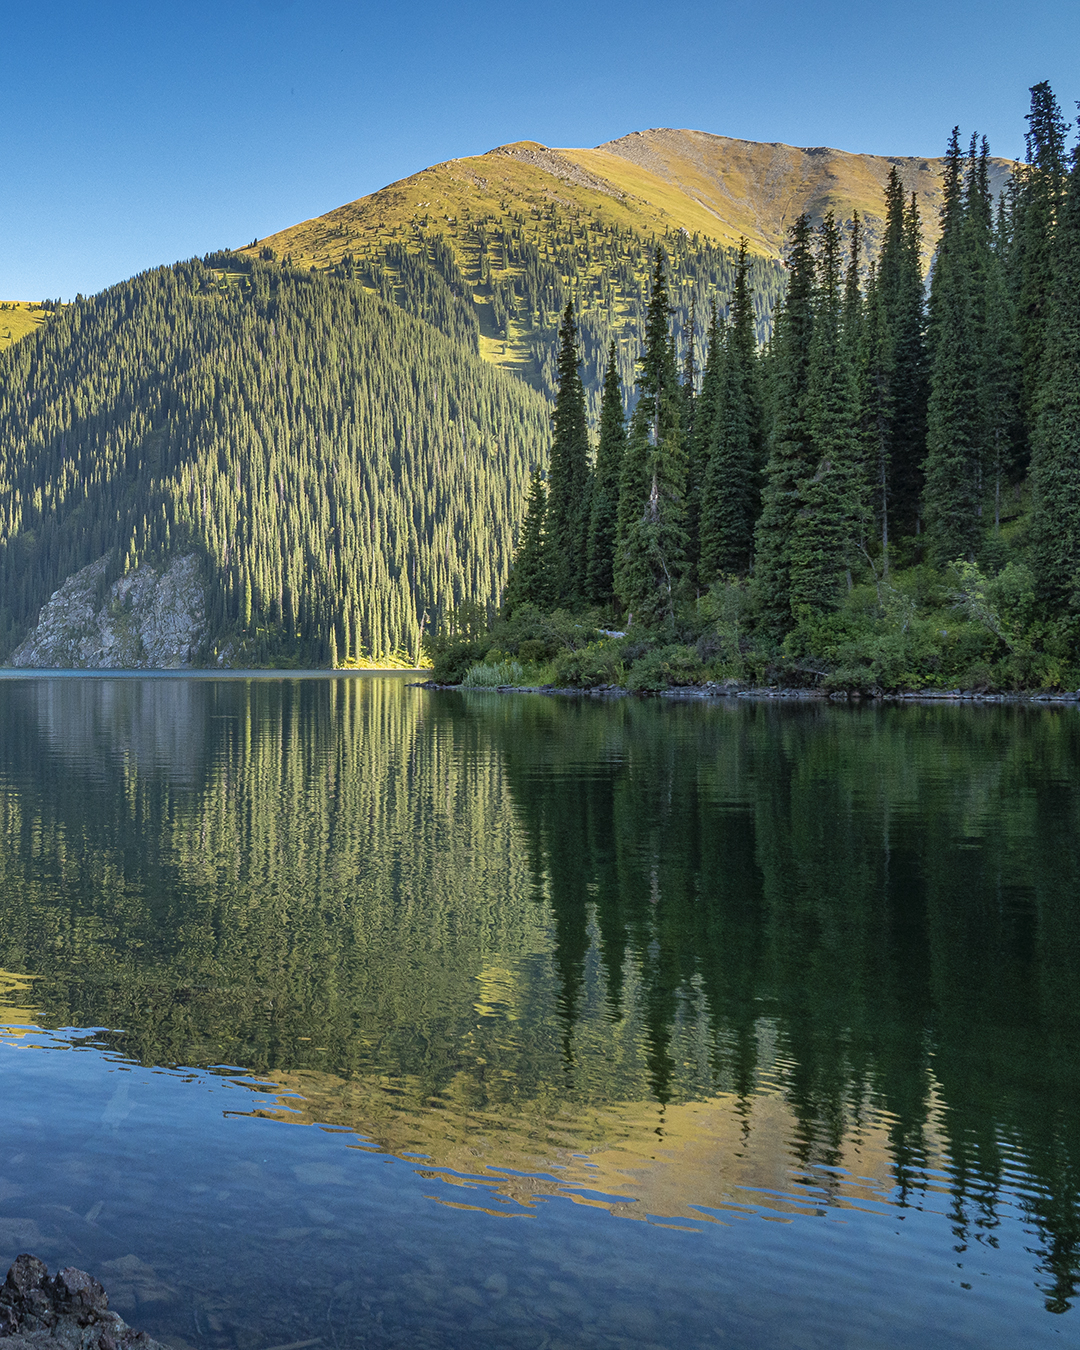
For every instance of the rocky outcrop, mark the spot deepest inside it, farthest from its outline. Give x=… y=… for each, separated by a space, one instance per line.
x=69 y=1311
x=150 y=619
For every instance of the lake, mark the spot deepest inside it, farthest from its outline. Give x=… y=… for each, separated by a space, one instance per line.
x=346 y=1013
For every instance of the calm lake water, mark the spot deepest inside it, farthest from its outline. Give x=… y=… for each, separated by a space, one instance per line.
x=340 y=1012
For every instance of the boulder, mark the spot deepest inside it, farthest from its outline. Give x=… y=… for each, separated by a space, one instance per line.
x=70 y=1311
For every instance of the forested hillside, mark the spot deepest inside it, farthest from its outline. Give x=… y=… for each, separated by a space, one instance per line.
x=886 y=496
x=500 y=282
x=518 y=232
x=346 y=473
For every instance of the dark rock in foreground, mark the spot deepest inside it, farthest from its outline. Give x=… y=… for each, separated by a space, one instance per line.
x=68 y=1310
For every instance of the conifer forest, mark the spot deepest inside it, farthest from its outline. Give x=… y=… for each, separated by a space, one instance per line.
x=841 y=473
x=884 y=495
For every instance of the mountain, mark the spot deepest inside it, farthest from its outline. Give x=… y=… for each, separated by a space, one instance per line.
x=523 y=228
x=344 y=473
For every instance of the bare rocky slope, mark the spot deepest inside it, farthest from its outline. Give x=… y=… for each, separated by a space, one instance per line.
x=149 y=619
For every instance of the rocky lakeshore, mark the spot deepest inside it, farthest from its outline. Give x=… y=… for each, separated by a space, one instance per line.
x=730 y=689
x=68 y=1310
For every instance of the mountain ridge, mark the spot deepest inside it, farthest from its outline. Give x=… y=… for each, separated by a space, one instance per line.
x=722 y=186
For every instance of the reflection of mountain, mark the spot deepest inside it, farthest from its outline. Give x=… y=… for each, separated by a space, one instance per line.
x=513 y=929
x=156 y=725
x=636 y=1159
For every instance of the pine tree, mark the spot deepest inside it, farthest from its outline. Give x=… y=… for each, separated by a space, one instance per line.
x=568 y=476
x=878 y=370
x=604 y=513
x=1055 y=464
x=652 y=538
x=899 y=360
x=790 y=440
x=527 y=583
x=952 y=494
x=830 y=525
x=1039 y=196
x=1002 y=360
x=652 y=559
x=699 y=442
x=732 y=488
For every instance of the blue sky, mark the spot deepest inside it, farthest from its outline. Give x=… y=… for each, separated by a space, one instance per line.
x=138 y=133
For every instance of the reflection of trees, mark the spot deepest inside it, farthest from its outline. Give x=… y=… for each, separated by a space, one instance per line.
x=496 y=901
x=898 y=888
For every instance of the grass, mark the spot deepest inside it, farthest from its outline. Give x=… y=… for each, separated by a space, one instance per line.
x=18 y=318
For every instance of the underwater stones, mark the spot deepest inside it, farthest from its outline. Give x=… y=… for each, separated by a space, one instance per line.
x=68 y=1312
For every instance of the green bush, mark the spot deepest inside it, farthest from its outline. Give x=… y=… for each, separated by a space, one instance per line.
x=452 y=659
x=599 y=663
x=665 y=667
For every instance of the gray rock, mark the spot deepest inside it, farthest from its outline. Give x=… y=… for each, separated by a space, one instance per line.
x=68 y=1312
x=150 y=620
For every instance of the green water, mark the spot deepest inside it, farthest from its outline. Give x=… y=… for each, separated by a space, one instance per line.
x=625 y=1023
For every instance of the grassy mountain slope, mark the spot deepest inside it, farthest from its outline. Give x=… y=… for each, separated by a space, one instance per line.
x=19 y=318
x=523 y=228
x=757 y=189
x=516 y=233
x=343 y=469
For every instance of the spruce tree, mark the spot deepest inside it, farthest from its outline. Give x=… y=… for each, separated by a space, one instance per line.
x=527 y=583
x=699 y=442
x=790 y=439
x=653 y=557
x=878 y=371
x=899 y=359
x=651 y=544
x=830 y=524
x=1055 y=464
x=952 y=493
x=604 y=510
x=1003 y=374
x=731 y=491
x=1039 y=195
x=568 y=476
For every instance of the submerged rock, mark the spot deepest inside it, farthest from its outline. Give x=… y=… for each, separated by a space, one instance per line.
x=70 y=1311
x=150 y=619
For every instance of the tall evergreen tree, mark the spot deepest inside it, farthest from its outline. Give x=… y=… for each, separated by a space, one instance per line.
x=1038 y=198
x=790 y=446
x=568 y=476
x=952 y=494
x=900 y=362
x=830 y=525
x=527 y=583
x=878 y=374
x=1055 y=464
x=651 y=544
x=699 y=442
x=731 y=491
x=604 y=509
x=1003 y=373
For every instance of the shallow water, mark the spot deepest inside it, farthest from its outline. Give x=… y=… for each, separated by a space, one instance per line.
x=344 y=1012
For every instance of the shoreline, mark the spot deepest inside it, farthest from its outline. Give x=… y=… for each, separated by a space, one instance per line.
x=701 y=693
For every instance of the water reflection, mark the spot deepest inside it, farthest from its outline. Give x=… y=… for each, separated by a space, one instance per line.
x=681 y=961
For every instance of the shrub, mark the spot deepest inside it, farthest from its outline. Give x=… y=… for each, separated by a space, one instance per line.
x=599 y=663
x=665 y=667
x=450 y=660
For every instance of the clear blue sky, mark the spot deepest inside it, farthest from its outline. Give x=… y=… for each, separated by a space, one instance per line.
x=138 y=133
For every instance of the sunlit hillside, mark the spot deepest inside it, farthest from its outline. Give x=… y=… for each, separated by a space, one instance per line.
x=19 y=317
x=518 y=231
